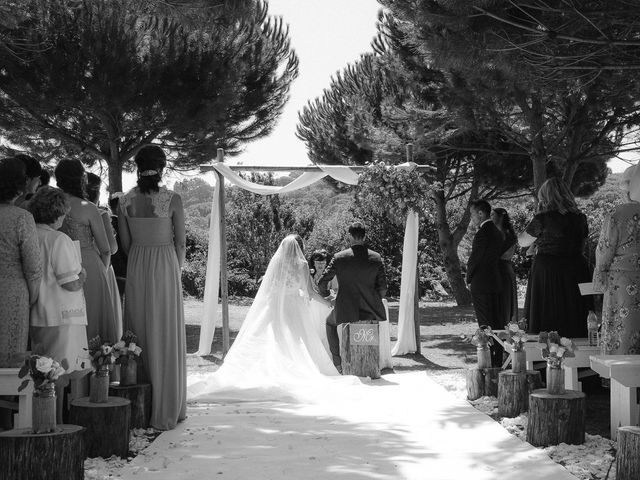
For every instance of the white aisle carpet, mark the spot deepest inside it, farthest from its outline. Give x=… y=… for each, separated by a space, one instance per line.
x=403 y=426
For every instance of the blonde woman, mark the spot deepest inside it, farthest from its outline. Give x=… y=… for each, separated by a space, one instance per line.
x=560 y=232
x=617 y=273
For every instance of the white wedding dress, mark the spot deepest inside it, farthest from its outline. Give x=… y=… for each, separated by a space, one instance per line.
x=279 y=351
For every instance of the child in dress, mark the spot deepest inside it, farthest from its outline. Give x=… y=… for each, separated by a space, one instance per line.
x=58 y=318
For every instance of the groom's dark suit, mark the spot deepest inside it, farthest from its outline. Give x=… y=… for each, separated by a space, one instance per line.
x=361 y=286
x=483 y=277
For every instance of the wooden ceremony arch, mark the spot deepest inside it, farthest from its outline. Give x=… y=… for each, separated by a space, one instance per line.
x=224 y=283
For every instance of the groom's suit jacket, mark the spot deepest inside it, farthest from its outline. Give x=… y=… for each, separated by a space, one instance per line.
x=361 y=284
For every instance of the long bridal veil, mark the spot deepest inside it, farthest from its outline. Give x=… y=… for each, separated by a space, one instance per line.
x=278 y=351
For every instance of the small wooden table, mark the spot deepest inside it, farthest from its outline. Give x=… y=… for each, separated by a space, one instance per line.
x=533 y=351
x=624 y=372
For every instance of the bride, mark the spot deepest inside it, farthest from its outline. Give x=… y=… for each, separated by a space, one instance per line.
x=279 y=349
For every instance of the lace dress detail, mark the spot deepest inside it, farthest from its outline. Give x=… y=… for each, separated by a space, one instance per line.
x=161 y=201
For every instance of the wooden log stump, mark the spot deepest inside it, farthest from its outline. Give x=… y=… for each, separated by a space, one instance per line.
x=555 y=419
x=628 y=456
x=482 y=382
x=140 y=397
x=513 y=393
x=107 y=425
x=45 y=456
x=360 y=349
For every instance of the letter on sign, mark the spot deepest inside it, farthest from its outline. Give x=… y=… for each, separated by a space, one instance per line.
x=364 y=333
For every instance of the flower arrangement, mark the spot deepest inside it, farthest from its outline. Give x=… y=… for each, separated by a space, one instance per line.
x=102 y=354
x=555 y=348
x=482 y=337
x=515 y=336
x=44 y=372
x=127 y=347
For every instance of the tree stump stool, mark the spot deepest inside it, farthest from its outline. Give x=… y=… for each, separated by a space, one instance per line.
x=513 y=393
x=140 y=397
x=107 y=425
x=44 y=456
x=555 y=419
x=482 y=382
x=628 y=456
x=360 y=349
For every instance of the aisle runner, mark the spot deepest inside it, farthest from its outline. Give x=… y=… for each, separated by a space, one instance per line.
x=404 y=426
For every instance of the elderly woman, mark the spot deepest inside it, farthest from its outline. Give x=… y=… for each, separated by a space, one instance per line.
x=20 y=265
x=560 y=231
x=617 y=271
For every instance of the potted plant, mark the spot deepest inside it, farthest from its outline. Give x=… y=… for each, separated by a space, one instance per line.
x=515 y=336
x=44 y=372
x=482 y=339
x=554 y=350
x=102 y=356
x=127 y=351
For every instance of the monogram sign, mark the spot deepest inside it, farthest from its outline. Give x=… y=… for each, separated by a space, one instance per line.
x=364 y=333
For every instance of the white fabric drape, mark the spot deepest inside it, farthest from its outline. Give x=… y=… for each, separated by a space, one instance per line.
x=406 y=323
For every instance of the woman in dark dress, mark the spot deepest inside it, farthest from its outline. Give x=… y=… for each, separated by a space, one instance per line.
x=509 y=292
x=560 y=231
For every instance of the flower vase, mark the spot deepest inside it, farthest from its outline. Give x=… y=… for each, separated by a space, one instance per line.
x=519 y=361
x=555 y=379
x=99 y=386
x=43 y=413
x=129 y=372
x=484 y=357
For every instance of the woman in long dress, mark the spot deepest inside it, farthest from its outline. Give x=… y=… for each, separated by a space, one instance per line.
x=278 y=351
x=509 y=292
x=84 y=224
x=152 y=233
x=559 y=230
x=20 y=264
x=617 y=273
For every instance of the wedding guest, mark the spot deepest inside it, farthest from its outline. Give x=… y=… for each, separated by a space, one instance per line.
x=58 y=318
x=317 y=263
x=617 y=273
x=119 y=259
x=45 y=177
x=33 y=170
x=483 y=273
x=20 y=264
x=84 y=224
x=560 y=231
x=152 y=232
x=93 y=195
x=509 y=290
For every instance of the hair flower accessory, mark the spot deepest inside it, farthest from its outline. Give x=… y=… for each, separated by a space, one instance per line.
x=148 y=173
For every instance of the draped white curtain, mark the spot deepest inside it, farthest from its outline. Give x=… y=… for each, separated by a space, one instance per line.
x=406 y=322
x=212 y=281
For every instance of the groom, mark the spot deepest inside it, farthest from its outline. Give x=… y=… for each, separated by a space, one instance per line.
x=361 y=286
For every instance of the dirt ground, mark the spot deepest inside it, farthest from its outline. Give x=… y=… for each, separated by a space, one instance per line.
x=444 y=352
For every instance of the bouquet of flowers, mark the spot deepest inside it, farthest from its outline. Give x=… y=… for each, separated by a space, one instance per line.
x=482 y=337
x=44 y=372
x=127 y=347
x=515 y=336
x=102 y=353
x=556 y=348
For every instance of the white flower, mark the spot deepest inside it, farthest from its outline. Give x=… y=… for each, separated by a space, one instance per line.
x=516 y=338
x=119 y=345
x=565 y=342
x=524 y=337
x=132 y=346
x=560 y=351
x=513 y=327
x=106 y=350
x=44 y=364
x=553 y=348
x=137 y=350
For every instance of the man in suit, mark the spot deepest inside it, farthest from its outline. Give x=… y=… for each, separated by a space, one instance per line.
x=483 y=274
x=362 y=284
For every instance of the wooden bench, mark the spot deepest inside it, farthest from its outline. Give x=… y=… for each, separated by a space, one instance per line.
x=9 y=383
x=572 y=377
x=624 y=372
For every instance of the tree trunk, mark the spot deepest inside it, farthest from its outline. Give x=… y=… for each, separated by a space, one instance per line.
x=533 y=113
x=449 y=249
x=115 y=176
x=555 y=419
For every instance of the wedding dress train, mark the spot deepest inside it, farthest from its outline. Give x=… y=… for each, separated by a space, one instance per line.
x=278 y=352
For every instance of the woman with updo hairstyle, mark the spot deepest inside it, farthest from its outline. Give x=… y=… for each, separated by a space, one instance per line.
x=84 y=224
x=33 y=170
x=58 y=318
x=509 y=291
x=20 y=265
x=152 y=234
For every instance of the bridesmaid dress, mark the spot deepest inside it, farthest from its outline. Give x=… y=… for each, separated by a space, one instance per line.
x=153 y=308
